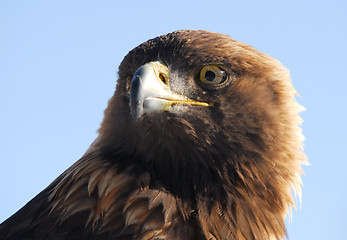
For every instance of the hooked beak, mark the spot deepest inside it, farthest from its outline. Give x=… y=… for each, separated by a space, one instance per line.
x=150 y=91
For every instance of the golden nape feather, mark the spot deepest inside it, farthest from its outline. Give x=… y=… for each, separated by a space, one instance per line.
x=201 y=140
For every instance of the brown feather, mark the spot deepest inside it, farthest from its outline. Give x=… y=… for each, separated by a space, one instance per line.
x=222 y=172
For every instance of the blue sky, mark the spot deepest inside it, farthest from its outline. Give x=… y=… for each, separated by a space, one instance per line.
x=58 y=68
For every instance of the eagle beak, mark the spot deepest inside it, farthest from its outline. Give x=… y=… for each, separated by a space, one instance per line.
x=150 y=91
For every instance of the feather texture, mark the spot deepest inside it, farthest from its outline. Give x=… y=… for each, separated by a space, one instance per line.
x=226 y=171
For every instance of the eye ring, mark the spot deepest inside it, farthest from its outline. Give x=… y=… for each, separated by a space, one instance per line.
x=213 y=75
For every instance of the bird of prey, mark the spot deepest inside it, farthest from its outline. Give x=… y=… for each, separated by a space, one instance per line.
x=201 y=140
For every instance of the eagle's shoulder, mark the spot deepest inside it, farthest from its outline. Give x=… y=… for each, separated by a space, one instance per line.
x=97 y=200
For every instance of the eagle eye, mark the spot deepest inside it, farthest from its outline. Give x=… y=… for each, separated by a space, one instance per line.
x=213 y=75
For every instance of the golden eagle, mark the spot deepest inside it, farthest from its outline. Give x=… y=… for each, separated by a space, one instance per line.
x=201 y=140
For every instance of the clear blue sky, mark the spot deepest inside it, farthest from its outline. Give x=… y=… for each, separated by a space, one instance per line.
x=58 y=68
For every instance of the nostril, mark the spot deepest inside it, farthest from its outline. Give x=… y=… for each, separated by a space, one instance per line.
x=163 y=78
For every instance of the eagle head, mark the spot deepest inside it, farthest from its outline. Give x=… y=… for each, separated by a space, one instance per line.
x=209 y=118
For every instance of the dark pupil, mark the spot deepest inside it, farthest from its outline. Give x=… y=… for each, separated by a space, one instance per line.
x=210 y=76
